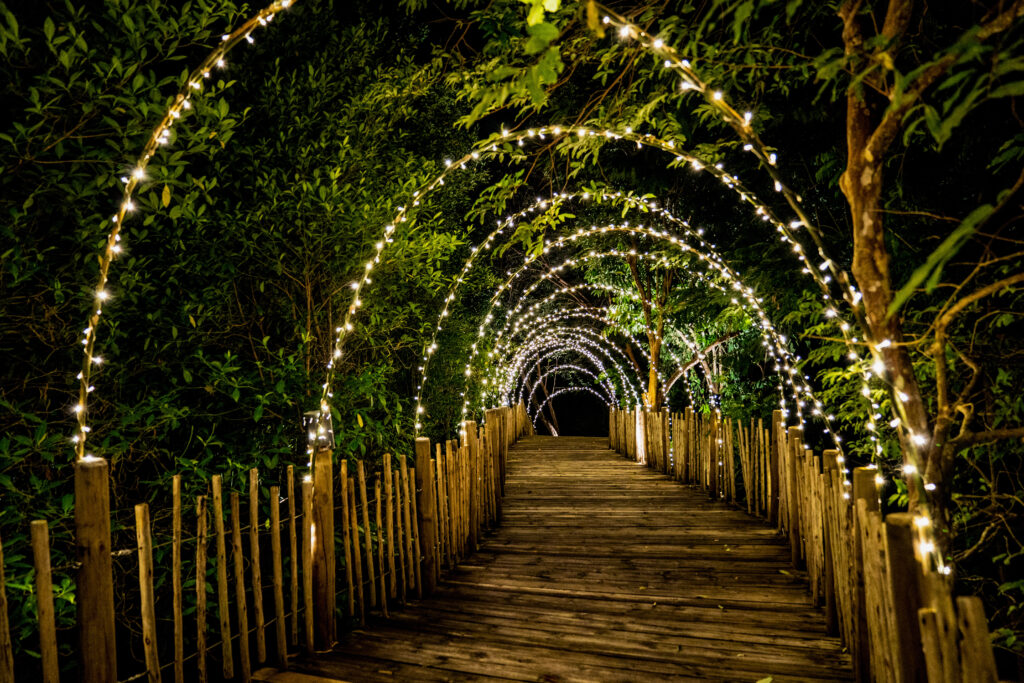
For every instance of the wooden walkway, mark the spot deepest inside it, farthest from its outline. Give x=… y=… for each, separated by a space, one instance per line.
x=601 y=571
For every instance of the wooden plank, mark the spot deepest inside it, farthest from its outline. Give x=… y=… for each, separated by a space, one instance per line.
x=357 y=560
x=40 y=533
x=411 y=561
x=414 y=530
x=977 y=663
x=401 y=577
x=602 y=570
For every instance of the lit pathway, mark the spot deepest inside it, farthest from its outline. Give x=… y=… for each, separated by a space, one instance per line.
x=601 y=571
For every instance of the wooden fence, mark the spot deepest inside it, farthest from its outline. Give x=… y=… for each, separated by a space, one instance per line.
x=392 y=532
x=880 y=592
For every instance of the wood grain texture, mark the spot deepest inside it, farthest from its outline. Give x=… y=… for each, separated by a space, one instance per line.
x=603 y=570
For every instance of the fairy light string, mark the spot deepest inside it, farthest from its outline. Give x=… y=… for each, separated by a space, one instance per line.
x=570 y=339
x=546 y=323
x=746 y=294
x=543 y=353
x=160 y=137
x=823 y=272
x=561 y=370
x=600 y=314
x=690 y=80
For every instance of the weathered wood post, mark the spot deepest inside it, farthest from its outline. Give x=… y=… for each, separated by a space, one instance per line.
x=906 y=581
x=864 y=489
x=469 y=436
x=97 y=649
x=427 y=509
x=713 y=461
x=147 y=599
x=828 y=476
x=773 y=467
x=793 y=492
x=40 y=533
x=321 y=443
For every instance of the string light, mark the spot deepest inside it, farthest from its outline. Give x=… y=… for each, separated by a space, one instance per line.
x=159 y=136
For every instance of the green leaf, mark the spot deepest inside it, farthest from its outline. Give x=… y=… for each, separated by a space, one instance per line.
x=165 y=199
x=541 y=36
x=49 y=29
x=536 y=14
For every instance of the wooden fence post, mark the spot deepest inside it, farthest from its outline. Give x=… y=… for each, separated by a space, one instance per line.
x=227 y=655
x=470 y=439
x=145 y=548
x=323 y=547
x=176 y=607
x=277 y=577
x=201 y=589
x=864 y=488
x=308 y=542
x=906 y=581
x=241 y=609
x=976 y=661
x=427 y=509
x=293 y=546
x=367 y=537
x=254 y=560
x=773 y=467
x=97 y=649
x=40 y=533
x=794 y=494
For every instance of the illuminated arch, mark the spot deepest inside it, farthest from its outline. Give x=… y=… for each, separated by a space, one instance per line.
x=528 y=398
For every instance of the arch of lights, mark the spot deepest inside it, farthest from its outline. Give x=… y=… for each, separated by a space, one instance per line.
x=560 y=369
x=707 y=253
x=573 y=339
x=771 y=337
x=588 y=312
x=559 y=392
x=505 y=389
x=532 y=313
x=591 y=313
x=690 y=81
x=546 y=352
x=696 y=350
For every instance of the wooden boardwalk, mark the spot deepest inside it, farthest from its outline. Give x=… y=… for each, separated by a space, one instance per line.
x=601 y=571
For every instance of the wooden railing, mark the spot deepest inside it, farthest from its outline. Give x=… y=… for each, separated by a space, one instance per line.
x=880 y=593
x=393 y=531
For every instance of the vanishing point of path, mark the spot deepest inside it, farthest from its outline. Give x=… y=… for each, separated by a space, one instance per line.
x=602 y=571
